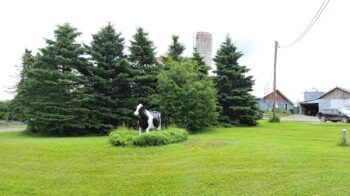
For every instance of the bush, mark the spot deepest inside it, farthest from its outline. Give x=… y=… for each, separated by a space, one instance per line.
x=175 y=134
x=4 y=110
x=158 y=138
x=154 y=138
x=122 y=136
x=276 y=120
x=186 y=98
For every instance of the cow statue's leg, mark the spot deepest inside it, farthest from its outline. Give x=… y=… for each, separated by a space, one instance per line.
x=150 y=123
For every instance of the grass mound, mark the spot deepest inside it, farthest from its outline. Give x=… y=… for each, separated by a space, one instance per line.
x=124 y=136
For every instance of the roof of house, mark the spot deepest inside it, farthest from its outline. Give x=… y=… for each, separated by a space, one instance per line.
x=330 y=91
x=279 y=93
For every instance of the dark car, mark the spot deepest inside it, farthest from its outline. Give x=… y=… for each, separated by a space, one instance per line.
x=334 y=115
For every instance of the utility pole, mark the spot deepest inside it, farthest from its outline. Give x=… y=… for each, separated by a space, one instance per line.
x=274 y=84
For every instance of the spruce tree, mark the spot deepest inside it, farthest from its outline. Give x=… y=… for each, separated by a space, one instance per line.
x=176 y=48
x=55 y=87
x=17 y=105
x=238 y=106
x=110 y=81
x=202 y=67
x=142 y=57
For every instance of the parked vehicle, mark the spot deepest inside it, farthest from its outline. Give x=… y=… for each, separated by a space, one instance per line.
x=334 y=115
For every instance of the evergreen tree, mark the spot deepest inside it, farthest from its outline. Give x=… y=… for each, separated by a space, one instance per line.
x=110 y=81
x=202 y=67
x=238 y=106
x=142 y=51
x=54 y=87
x=18 y=104
x=142 y=57
x=176 y=48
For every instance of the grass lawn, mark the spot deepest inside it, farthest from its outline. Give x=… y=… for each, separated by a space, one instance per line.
x=290 y=158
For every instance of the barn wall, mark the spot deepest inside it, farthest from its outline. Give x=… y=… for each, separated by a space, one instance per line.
x=333 y=103
x=340 y=103
x=323 y=104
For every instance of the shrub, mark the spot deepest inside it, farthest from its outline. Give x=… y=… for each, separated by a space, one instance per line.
x=185 y=97
x=122 y=136
x=158 y=138
x=4 y=110
x=175 y=134
x=274 y=120
x=155 y=138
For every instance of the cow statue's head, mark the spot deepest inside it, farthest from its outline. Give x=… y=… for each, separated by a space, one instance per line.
x=137 y=111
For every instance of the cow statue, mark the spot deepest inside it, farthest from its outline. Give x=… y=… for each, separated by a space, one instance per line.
x=147 y=119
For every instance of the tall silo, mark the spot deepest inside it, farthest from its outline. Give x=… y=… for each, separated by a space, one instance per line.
x=204 y=46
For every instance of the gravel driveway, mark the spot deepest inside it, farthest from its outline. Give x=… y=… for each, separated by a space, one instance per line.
x=12 y=129
x=299 y=117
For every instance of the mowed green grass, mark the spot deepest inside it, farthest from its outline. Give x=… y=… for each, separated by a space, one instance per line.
x=289 y=158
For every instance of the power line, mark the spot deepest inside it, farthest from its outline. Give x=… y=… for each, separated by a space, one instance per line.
x=307 y=29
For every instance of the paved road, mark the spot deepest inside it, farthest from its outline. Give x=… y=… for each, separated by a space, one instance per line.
x=11 y=129
x=299 y=117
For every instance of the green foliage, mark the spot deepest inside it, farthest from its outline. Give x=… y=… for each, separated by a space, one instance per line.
x=175 y=49
x=277 y=119
x=159 y=138
x=279 y=112
x=202 y=67
x=109 y=80
x=142 y=51
x=153 y=138
x=237 y=105
x=51 y=93
x=4 y=110
x=122 y=136
x=142 y=58
x=19 y=105
x=175 y=134
x=186 y=99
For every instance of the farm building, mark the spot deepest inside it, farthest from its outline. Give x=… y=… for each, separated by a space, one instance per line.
x=335 y=98
x=282 y=102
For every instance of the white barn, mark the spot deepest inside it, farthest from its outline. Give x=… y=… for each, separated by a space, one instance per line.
x=335 y=98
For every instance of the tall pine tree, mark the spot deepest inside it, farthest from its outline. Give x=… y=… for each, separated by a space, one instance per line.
x=142 y=57
x=202 y=67
x=176 y=48
x=17 y=106
x=110 y=81
x=238 y=106
x=55 y=87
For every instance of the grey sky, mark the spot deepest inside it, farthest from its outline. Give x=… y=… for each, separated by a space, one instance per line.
x=320 y=60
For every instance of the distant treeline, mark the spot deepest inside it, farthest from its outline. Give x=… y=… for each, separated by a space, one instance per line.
x=68 y=88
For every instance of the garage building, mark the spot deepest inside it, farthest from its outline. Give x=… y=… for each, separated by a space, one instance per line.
x=335 y=98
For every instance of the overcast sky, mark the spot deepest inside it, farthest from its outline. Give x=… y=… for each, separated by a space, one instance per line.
x=319 y=60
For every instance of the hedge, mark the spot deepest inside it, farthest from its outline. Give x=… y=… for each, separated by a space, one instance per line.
x=124 y=136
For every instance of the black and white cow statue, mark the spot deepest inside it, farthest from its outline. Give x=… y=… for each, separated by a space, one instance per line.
x=147 y=119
